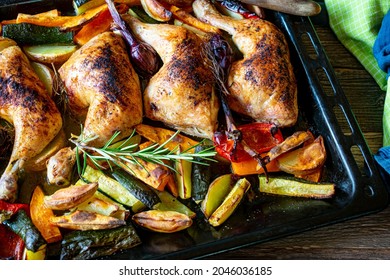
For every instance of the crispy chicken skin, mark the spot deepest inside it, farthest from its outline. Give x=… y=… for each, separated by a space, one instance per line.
x=103 y=87
x=181 y=94
x=24 y=103
x=262 y=85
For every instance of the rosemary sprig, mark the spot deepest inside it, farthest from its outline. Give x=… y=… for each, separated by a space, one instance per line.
x=128 y=152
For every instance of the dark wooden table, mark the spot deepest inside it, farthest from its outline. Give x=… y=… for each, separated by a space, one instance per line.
x=367 y=237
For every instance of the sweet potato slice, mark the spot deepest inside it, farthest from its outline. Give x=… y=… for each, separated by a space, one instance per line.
x=160 y=135
x=41 y=215
x=155 y=175
x=65 y=23
x=187 y=18
x=97 y=26
x=251 y=166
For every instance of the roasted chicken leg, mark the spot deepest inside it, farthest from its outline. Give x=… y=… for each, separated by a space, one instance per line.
x=103 y=87
x=181 y=94
x=24 y=103
x=262 y=84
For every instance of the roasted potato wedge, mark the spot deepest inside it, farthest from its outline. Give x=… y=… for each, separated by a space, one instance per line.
x=291 y=142
x=70 y=197
x=217 y=192
x=156 y=11
x=230 y=203
x=48 y=54
x=84 y=220
x=186 y=18
x=304 y=160
x=162 y=221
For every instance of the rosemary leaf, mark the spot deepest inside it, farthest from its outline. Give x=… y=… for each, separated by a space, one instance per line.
x=128 y=153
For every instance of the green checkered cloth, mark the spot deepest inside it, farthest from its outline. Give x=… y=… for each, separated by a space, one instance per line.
x=356 y=24
x=386 y=118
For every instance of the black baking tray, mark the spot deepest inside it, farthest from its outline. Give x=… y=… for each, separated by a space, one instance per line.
x=360 y=191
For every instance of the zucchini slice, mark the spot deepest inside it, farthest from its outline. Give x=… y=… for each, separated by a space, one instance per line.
x=139 y=12
x=92 y=244
x=138 y=188
x=30 y=34
x=21 y=224
x=183 y=178
x=201 y=176
x=113 y=189
x=291 y=186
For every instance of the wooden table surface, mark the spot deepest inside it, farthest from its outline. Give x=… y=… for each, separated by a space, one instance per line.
x=367 y=237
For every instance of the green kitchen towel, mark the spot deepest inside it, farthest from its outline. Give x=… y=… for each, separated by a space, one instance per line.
x=356 y=24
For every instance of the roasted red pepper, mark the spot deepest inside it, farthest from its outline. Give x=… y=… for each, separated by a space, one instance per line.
x=261 y=137
x=12 y=245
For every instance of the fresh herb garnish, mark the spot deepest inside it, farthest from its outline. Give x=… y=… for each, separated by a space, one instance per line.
x=127 y=151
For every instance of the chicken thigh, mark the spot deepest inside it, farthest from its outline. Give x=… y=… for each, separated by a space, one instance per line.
x=24 y=103
x=262 y=84
x=181 y=94
x=103 y=87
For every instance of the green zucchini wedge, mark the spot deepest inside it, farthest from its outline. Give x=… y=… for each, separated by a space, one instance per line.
x=201 y=176
x=21 y=224
x=30 y=34
x=113 y=189
x=92 y=244
x=138 y=188
x=291 y=186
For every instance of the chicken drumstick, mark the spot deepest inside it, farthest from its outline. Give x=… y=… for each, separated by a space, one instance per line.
x=24 y=103
x=262 y=85
x=181 y=94
x=103 y=87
